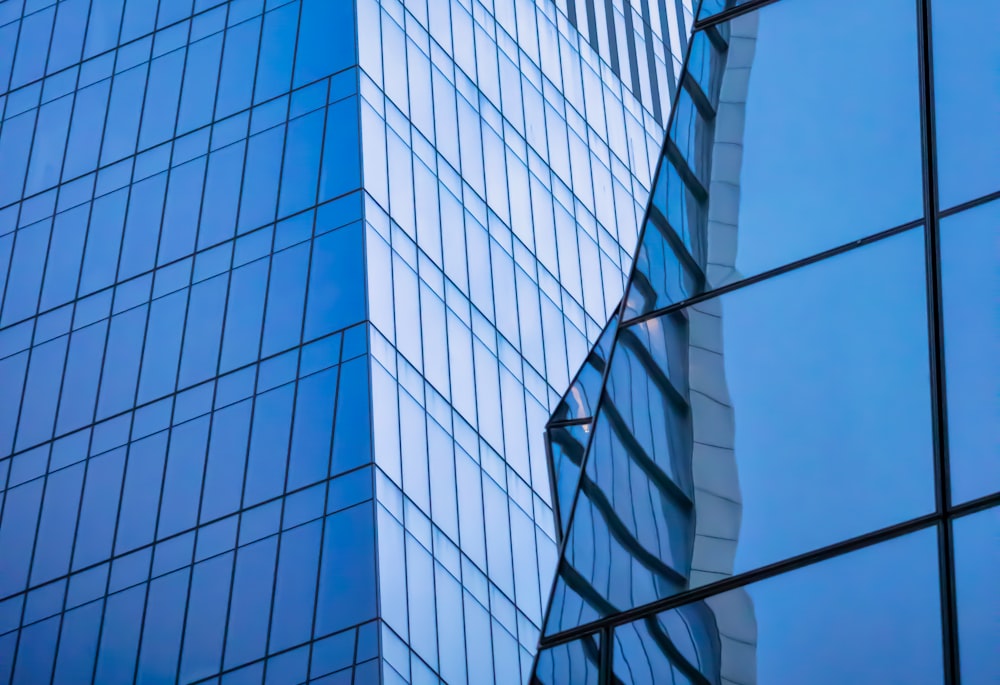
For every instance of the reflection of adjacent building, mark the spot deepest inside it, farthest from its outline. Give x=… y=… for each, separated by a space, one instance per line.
x=642 y=445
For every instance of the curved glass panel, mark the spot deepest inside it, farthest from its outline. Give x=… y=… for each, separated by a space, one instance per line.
x=977 y=558
x=580 y=400
x=966 y=98
x=970 y=243
x=766 y=164
x=574 y=663
x=813 y=625
x=743 y=430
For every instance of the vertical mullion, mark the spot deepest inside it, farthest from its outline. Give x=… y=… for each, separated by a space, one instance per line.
x=605 y=672
x=936 y=346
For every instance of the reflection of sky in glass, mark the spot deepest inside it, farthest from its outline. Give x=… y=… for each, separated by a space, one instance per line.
x=970 y=245
x=827 y=371
x=977 y=558
x=967 y=98
x=832 y=135
x=868 y=617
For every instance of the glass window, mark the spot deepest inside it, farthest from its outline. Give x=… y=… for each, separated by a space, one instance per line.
x=785 y=165
x=970 y=244
x=777 y=419
x=977 y=557
x=813 y=625
x=967 y=99
x=574 y=663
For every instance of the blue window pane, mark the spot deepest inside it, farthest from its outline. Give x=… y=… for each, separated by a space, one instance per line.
x=222 y=185
x=141 y=493
x=238 y=63
x=83 y=370
x=142 y=226
x=124 y=109
x=182 y=481
x=198 y=94
x=226 y=457
x=163 y=346
x=56 y=527
x=161 y=638
x=295 y=586
x=33 y=45
x=100 y=261
x=277 y=45
x=336 y=282
x=319 y=53
x=206 y=618
x=269 y=445
x=301 y=168
x=286 y=299
x=102 y=30
x=139 y=19
x=260 y=182
x=203 y=330
x=977 y=556
x=88 y=117
x=49 y=144
x=162 y=95
x=244 y=315
x=120 y=637
x=807 y=626
x=25 y=276
x=313 y=429
x=341 y=171
x=347 y=572
x=966 y=59
x=250 y=609
x=65 y=256
x=352 y=436
x=180 y=217
x=36 y=653
x=38 y=406
x=971 y=291
x=98 y=510
x=78 y=644
x=21 y=505
x=121 y=363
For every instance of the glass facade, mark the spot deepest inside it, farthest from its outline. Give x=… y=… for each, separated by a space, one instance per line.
x=289 y=288
x=779 y=462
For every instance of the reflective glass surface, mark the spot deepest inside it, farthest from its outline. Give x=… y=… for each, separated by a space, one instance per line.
x=970 y=243
x=977 y=557
x=966 y=97
x=764 y=166
x=573 y=663
x=870 y=616
x=754 y=427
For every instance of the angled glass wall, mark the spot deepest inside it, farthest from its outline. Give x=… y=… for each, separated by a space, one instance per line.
x=289 y=288
x=786 y=441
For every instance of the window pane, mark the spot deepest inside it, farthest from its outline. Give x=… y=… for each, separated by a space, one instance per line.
x=777 y=419
x=967 y=98
x=970 y=244
x=813 y=625
x=766 y=163
x=574 y=663
x=977 y=557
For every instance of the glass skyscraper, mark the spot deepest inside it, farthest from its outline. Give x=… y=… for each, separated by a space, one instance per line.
x=781 y=462
x=289 y=290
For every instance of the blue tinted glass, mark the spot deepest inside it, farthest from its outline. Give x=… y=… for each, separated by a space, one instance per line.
x=575 y=663
x=966 y=59
x=796 y=398
x=977 y=556
x=970 y=243
x=786 y=167
x=808 y=626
